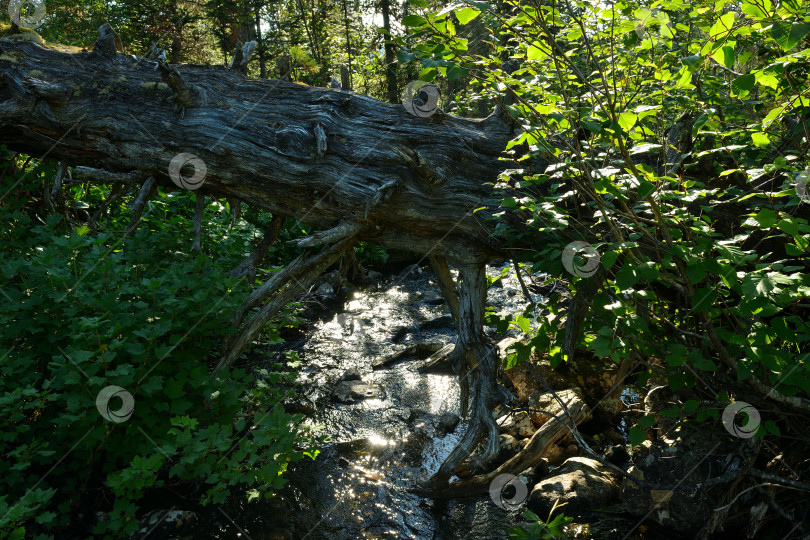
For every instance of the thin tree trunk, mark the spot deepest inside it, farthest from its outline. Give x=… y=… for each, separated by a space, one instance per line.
x=260 y=43
x=390 y=65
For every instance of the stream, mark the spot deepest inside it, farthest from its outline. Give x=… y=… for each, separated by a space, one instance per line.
x=382 y=444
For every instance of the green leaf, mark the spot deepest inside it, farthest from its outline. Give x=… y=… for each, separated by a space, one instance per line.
x=685 y=79
x=760 y=284
x=524 y=324
x=743 y=84
x=787 y=35
x=758 y=9
x=761 y=140
x=456 y=72
x=767 y=218
x=723 y=26
x=692 y=62
x=788 y=225
x=691 y=405
x=636 y=436
x=609 y=258
x=403 y=56
x=414 y=20
x=419 y=3
x=646 y=421
x=465 y=15
x=627 y=120
x=645 y=189
x=725 y=56
x=535 y=52
x=772 y=428
x=703 y=299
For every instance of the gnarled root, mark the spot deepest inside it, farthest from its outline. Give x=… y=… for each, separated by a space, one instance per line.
x=554 y=429
x=475 y=357
x=286 y=286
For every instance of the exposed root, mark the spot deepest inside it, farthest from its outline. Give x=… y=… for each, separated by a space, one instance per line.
x=57 y=183
x=343 y=230
x=147 y=190
x=199 y=209
x=478 y=357
x=296 y=278
x=249 y=265
x=446 y=284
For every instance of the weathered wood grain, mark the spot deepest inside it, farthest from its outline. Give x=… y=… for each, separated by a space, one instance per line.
x=259 y=141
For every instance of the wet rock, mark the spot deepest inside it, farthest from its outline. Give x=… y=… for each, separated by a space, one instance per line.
x=432 y=298
x=351 y=374
x=351 y=391
x=300 y=406
x=508 y=448
x=415 y=415
x=617 y=454
x=554 y=455
x=410 y=271
x=509 y=444
x=325 y=290
x=547 y=402
x=400 y=333
x=583 y=483
x=593 y=375
x=446 y=423
x=541 y=469
x=614 y=436
x=519 y=425
x=444 y=322
x=525 y=442
x=169 y=523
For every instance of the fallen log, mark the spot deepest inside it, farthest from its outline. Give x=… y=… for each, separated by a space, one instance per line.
x=359 y=168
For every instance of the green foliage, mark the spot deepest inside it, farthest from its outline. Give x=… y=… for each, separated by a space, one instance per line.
x=370 y=254
x=652 y=116
x=84 y=311
x=537 y=529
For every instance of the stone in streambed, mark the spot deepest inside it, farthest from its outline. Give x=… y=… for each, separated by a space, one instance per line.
x=446 y=423
x=582 y=483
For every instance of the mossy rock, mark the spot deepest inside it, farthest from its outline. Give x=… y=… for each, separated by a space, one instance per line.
x=24 y=34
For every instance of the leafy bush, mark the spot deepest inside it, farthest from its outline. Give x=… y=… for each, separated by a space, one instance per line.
x=671 y=139
x=82 y=312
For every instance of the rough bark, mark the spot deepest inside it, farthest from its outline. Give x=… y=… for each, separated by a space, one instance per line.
x=258 y=141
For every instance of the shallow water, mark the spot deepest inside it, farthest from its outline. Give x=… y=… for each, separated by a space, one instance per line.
x=358 y=485
x=357 y=488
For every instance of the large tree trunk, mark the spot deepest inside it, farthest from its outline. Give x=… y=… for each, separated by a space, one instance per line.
x=318 y=155
x=359 y=168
